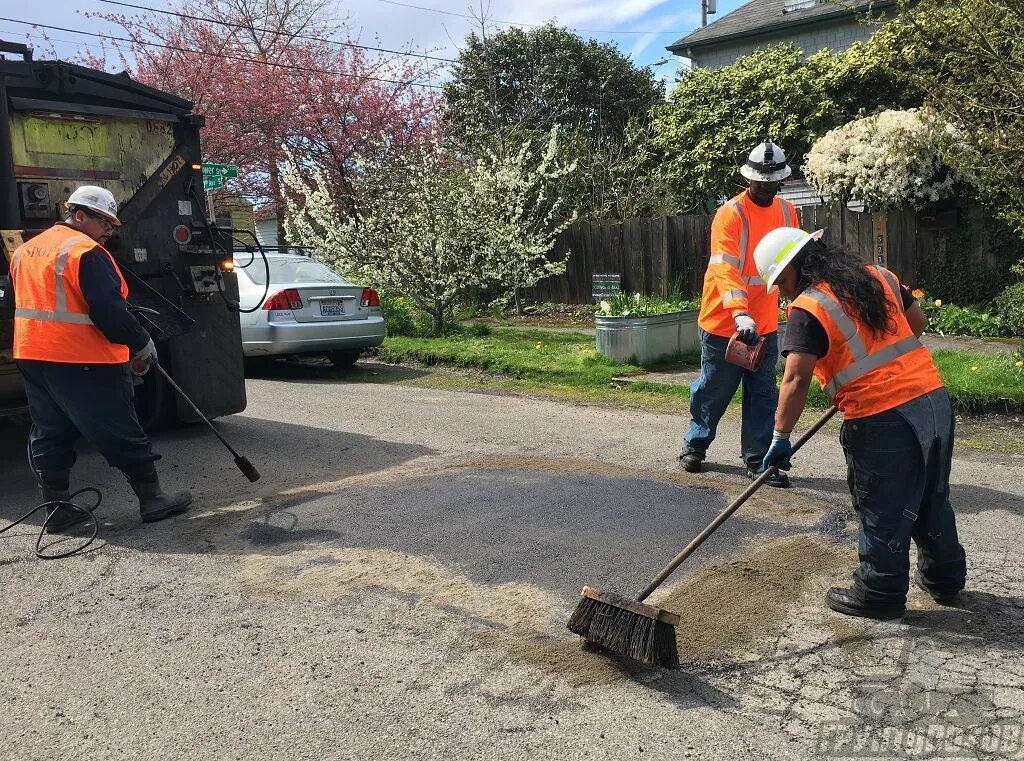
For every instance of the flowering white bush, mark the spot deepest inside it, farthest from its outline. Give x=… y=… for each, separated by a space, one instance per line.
x=885 y=160
x=436 y=227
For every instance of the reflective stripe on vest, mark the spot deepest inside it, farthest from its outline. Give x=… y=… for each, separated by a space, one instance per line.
x=863 y=362
x=871 y=362
x=71 y=318
x=787 y=220
x=730 y=295
x=60 y=312
x=744 y=234
x=725 y=259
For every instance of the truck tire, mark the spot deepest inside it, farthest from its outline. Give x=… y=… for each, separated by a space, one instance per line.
x=154 y=401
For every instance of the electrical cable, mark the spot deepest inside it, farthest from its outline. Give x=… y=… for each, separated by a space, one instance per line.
x=52 y=508
x=208 y=20
x=217 y=277
x=89 y=510
x=518 y=23
x=226 y=56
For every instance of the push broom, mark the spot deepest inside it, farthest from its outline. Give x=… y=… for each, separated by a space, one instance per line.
x=643 y=632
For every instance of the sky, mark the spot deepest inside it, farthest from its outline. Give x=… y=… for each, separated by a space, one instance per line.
x=639 y=28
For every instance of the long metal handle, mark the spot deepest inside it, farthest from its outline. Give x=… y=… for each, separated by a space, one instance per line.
x=242 y=463
x=184 y=396
x=723 y=516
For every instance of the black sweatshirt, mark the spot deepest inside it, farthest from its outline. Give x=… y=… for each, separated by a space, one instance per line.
x=108 y=310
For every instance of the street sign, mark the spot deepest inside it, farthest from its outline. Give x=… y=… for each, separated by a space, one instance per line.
x=215 y=175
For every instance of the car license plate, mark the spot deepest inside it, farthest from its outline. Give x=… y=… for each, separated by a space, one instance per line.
x=332 y=308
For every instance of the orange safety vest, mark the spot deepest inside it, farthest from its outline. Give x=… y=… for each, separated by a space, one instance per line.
x=862 y=374
x=51 y=317
x=732 y=282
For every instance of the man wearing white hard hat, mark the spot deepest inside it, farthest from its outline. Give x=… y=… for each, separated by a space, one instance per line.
x=855 y=328
x=735 y=302
x=73 y=340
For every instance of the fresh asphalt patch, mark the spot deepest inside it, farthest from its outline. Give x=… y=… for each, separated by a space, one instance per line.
x=497 y=526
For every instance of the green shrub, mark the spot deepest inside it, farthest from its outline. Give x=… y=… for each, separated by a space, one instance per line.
x=949 y=319
x=479 y=330
x=402 y=316
x=1010 y=306
x=637 y=305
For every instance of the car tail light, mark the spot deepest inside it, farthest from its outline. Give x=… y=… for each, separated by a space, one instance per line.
x=289 y=299
x=369 y=298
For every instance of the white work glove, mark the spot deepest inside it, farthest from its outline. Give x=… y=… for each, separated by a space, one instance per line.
x=746 y=328
x=143 y=358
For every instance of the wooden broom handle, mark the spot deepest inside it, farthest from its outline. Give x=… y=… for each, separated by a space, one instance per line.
x=723 y=516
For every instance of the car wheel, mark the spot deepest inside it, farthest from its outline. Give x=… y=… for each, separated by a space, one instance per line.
x=343 y=359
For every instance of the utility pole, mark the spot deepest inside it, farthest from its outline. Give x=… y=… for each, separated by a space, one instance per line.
x=707 y=7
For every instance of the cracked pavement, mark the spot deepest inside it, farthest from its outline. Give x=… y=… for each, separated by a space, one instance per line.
x=398 y=582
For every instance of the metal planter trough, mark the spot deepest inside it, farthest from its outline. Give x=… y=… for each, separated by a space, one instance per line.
x=644 y=340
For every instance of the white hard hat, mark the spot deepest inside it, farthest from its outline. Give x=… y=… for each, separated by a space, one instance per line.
x=778 y=248
x=766 y=163
x=96 y=198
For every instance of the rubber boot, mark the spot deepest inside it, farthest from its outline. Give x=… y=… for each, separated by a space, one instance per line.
x=54 y=485
x=154 y=505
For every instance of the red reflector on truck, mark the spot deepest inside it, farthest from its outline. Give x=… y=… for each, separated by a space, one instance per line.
x=369 y=298
x=289 y=299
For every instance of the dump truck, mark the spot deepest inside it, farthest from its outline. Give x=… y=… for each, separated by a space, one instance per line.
x=62 y=126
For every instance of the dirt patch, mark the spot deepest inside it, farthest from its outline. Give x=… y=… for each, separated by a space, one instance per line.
x=729 y=608
x=521 y=619
x=336 y=572
x=733 y=607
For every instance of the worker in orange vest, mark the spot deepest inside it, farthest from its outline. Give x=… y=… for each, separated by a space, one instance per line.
x=73 y=339
x=735 y=302
x=856 y=330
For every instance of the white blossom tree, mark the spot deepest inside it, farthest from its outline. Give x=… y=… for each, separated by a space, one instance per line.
x=436 y=227
x=885 y=161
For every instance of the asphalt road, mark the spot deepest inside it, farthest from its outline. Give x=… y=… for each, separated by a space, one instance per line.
x=397 y=585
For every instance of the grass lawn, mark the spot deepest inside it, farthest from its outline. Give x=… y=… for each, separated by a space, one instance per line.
x=567 y=366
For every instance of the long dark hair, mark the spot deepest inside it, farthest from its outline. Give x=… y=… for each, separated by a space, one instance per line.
x=859 y=292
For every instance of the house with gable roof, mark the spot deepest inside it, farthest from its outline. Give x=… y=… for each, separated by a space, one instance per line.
x=810 y=25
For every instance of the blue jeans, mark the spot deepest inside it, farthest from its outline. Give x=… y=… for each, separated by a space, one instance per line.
x=67 y=401
x=715 y=387
x=898 y=471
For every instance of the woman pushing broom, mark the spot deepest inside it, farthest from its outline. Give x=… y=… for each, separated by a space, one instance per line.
x=856 y=329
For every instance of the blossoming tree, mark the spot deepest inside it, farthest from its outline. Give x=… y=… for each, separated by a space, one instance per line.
x=265 y=74
x=436 y=227
x=885 y=160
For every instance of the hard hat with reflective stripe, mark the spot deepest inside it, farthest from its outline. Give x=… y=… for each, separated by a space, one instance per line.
x=766 y=163
x=99 y=200
x=778 y=248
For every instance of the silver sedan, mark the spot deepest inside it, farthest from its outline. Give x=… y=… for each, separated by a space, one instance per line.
x=308 y=310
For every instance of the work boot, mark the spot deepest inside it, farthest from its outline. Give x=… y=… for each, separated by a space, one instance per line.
x=54 y=485
x=778 y=479
x=692 y=463
x=154 y=505
x=942 y=598
x=844 y=601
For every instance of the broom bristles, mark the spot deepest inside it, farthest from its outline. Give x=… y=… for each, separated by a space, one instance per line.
x=625 y=632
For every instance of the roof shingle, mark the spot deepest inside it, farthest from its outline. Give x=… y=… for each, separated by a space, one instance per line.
x=761 y=16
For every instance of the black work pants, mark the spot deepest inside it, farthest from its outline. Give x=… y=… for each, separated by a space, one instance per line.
x=898 y=471
x=95 y=401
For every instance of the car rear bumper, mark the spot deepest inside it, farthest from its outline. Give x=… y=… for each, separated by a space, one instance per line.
x=312 y=338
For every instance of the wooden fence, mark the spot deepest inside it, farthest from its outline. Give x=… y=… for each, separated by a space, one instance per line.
x=654 y=254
